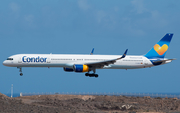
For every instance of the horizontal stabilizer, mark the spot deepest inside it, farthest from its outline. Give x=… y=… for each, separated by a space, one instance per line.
x=159 y=61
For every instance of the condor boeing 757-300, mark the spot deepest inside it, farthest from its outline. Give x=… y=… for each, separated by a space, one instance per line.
x=87 y=63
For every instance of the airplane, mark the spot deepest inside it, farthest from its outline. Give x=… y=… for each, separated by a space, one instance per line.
x=87 y=63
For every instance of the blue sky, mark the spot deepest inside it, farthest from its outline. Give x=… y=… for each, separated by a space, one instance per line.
x=77 y=26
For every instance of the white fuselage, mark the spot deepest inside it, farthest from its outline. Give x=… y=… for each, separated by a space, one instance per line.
x=68 y=60
x=87 y=63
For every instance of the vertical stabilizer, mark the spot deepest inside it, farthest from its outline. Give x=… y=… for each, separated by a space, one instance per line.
x=159 y=50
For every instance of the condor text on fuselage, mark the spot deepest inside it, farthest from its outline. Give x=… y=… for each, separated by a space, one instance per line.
x=32 y=59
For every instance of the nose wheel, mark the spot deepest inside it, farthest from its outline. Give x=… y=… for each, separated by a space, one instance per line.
x=21 y=74
x=20 y=70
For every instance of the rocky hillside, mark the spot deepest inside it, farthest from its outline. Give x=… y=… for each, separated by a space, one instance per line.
x=86 y=103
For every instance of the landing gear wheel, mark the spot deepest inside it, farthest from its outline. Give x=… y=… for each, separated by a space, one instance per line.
x=91 y=75
x=96 y=75
x=21 y=74
x=87 y=74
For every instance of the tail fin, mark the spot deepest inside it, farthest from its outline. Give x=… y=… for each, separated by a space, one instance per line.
x=159 y=50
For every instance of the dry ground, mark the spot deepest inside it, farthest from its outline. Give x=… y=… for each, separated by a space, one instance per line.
x=86 y=104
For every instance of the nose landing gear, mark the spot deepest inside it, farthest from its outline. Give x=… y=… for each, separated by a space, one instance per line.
x=20 y=70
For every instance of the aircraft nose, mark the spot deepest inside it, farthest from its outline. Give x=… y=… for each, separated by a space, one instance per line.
x=5 y=63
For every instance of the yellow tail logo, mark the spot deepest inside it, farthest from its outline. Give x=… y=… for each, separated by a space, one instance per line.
x=160 y=49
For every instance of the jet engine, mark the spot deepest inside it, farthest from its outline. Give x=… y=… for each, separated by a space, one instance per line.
x=68 y=69
x=80 y=68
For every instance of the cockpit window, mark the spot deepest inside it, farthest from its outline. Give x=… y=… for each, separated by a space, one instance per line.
x=9 y=58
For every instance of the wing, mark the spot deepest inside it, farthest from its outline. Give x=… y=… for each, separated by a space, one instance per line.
x=105 y=63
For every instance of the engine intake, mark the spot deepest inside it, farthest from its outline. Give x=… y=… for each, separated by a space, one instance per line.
x=81 y=68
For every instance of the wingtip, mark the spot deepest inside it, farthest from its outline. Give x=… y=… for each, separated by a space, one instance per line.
x=92 y=52
x=124 y=55
x=126 y=50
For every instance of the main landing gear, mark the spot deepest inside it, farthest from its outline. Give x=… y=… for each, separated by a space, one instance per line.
x=20 y=70
x=91 y=75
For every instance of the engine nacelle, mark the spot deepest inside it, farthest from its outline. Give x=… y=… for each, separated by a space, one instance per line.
x=68 y=69
x=81 y=68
